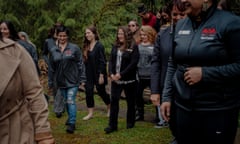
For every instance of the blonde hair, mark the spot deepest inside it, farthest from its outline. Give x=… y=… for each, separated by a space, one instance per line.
x=150 y=32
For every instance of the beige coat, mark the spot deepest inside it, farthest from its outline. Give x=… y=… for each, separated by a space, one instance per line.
x=23 y=108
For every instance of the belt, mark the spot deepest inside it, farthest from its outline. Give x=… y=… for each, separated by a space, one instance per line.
x=124 y=82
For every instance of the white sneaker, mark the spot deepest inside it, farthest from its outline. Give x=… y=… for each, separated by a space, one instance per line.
x=161 y=125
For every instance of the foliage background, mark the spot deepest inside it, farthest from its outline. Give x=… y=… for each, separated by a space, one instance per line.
x=36 y=17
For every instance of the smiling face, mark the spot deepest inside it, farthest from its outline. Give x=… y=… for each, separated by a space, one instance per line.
x=89 y=35
x=120 y=36
x=193 y=7
x=5 y=30
x=177 y=14
x=144 y=37
x=62 y=38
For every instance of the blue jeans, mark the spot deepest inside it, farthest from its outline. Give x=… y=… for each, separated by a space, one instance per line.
x=69 y=95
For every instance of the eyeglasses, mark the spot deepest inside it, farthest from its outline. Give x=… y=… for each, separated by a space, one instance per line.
x=131 y=25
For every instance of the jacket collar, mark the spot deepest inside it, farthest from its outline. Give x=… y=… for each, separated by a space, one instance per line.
x=204 y=16
x=5 y=43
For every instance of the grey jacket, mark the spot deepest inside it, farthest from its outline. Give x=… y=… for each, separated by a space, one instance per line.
x=144 y=62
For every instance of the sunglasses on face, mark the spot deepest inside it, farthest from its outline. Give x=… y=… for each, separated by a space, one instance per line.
x=131 y=25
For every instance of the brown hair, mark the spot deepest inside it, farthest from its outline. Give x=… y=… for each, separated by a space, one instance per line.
x=86 y=42
x=129 y=41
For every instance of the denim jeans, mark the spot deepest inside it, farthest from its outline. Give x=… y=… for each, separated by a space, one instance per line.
x=69 y=95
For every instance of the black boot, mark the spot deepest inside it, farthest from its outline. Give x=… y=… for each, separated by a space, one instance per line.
x=70 y=128
x=110 y=129
x=58 y=114
x=130 y=125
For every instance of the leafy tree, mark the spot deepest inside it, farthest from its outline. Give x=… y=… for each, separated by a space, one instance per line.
x=36 y=17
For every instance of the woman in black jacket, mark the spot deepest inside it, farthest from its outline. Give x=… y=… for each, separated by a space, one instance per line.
x=122 y=70
x=203 y=75
x=162 y=50
x=96 y=73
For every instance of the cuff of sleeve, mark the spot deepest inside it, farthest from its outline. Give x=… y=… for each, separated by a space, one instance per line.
x=166 y=99
x=42 y=136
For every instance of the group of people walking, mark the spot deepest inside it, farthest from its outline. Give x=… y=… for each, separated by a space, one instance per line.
x=70 y=68
x=191 y=63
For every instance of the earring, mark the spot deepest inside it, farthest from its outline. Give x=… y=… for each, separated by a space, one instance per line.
x=205 y=6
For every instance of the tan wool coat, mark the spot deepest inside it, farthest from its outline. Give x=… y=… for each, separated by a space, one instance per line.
x=23 y=108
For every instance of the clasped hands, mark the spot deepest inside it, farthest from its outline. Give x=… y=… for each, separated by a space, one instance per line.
x=115 y=77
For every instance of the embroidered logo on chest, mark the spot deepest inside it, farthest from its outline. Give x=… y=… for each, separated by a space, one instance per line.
x=208 y=33
x=68 y=52
x=184 y=32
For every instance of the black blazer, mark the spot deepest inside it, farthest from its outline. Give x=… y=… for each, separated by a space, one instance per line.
x=129 y=63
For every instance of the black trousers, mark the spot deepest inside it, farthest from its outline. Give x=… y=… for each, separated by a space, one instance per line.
x=130 y=92
x=206 y=127
x=101 y=89
x=142 y=84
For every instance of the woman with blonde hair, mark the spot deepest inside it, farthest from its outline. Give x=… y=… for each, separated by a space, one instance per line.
x=145 y=47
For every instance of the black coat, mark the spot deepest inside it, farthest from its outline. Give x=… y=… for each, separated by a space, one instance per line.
x=162 y=51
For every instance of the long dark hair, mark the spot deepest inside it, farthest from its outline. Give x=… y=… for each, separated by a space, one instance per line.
x=129 y=41
x=13 y=35
x=86 y=42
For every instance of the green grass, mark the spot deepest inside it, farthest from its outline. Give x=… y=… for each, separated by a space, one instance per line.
x=92 y=131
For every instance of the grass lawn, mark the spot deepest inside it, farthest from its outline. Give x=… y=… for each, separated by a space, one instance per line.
x=92 y=131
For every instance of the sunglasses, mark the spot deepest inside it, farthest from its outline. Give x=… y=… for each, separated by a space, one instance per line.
x=131 y=25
